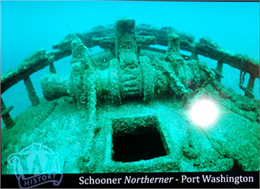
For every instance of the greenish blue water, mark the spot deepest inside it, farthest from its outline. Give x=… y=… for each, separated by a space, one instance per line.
x=28 y=26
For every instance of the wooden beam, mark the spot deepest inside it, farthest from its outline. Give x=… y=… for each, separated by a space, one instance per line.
x=7 y=119
x=52 y=68
x=219 y=70
x=35 y=62
x=242 y=62
x=31 y=92
x=250 y=86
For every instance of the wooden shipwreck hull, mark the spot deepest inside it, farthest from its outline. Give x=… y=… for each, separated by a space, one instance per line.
x=126 y=109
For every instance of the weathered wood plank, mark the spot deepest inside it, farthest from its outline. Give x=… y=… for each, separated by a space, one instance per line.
x=31 y=92
x=242 y=62
x=34 y=62
x=219 y=70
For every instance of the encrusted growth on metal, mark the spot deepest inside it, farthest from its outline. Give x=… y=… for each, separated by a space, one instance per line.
x=149 y=77
x=114 y=81
x=134 y=89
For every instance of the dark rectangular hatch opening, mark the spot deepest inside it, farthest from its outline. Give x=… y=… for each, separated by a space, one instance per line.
x=136 y=139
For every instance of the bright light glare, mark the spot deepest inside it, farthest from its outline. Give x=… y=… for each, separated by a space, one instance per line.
x=204 y=112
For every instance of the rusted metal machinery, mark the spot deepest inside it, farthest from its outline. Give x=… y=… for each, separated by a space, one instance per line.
x=133 y=89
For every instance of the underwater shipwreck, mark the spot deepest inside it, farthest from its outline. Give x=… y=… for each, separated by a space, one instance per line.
x=126 y=109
